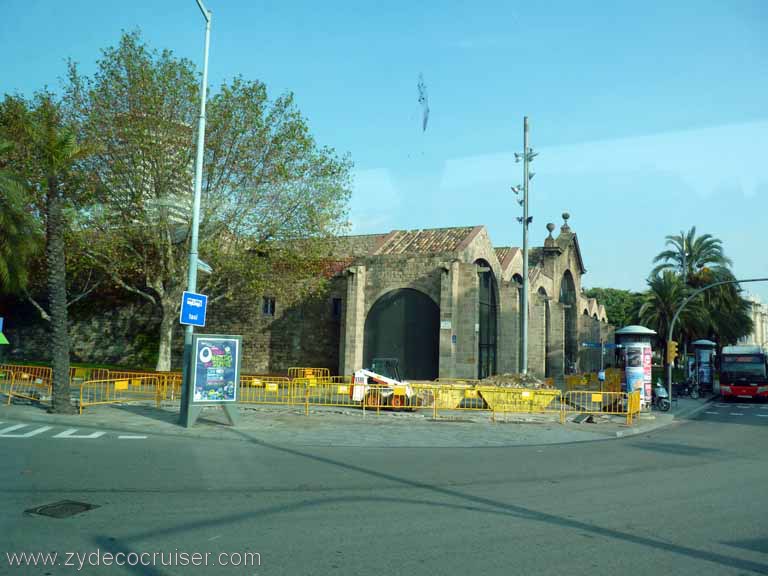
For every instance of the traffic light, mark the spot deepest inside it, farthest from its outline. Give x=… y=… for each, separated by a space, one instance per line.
x=671 y=351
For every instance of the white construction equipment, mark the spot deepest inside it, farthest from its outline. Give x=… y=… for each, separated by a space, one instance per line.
x=381 y=386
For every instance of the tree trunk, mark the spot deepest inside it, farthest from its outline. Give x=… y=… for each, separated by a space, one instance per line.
x=167 y=325
x=57 y=297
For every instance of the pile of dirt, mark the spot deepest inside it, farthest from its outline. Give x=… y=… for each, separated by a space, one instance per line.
x=516 y=381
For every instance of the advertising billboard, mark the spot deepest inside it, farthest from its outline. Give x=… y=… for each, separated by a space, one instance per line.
x=215 y=368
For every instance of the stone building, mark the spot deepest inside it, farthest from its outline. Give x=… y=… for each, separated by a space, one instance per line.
x=446 y=303
x=759 y=314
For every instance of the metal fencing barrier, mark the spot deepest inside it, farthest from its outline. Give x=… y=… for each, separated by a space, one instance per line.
x=6 y=381
x=25 y=372
x=265 y=390
x=28 y=388
x=120 y=390
x=602 y=403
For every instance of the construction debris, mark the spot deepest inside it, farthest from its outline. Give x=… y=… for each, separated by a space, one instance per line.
x=516 y=381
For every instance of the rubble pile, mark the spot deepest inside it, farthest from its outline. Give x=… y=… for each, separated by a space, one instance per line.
x=516 y=381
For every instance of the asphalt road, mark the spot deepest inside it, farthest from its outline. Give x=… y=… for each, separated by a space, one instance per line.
x=688 y=499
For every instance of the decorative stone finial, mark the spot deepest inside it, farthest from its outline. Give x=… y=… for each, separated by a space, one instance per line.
x=551 y=228
x=565 y=227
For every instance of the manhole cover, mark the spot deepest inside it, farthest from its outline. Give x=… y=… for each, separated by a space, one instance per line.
x=62 y=509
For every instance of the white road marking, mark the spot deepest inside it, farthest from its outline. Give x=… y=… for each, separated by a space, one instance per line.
x=762 y=415
x=5 y=433
x=711 y=412
x=132 y=437
x=737 y=414
x=71 y=434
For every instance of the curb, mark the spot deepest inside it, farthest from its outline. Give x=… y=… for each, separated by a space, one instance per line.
x=685 y=415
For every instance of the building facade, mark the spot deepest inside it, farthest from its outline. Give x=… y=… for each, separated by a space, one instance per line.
x=447 y=304
x=759 y=314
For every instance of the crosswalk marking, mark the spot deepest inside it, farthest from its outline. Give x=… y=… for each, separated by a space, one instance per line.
x=71 y=434
x=737 y=414
x=711 y=412
x=762 y=415
x=17 y=431
x=6 y=432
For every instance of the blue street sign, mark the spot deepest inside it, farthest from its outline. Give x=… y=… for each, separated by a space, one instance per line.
x=590 y=345
x=193 y=309
x=606 y=345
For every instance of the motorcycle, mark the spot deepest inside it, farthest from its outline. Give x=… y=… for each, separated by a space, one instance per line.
x=660 y=399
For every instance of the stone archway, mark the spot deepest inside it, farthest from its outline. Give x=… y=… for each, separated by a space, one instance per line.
x=404 y=324
x=568 y=300
x=488 y=300
x=519 y=283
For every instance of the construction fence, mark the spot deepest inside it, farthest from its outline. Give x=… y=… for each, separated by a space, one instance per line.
x=315 y=387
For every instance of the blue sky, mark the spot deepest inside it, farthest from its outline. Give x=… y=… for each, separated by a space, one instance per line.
x=649 y=117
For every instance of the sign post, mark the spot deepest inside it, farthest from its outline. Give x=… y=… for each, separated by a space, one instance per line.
x=214 y=375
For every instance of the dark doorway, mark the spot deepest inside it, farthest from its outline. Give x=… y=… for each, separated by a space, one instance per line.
x=568 y=300
x=487 y=299
x=404 y=324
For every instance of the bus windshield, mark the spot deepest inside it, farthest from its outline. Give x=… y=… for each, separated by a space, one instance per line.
x=746 y=367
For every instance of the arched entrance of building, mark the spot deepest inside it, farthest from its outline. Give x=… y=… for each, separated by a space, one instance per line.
x=547 y=333
x=568 y=300
x=487 y=321
x=404 y=324
x=519 y=283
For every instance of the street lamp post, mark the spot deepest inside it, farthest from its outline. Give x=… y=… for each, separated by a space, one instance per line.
x=192 y=273
x=527 y=156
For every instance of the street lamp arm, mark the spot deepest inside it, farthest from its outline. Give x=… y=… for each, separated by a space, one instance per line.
x=204 y=10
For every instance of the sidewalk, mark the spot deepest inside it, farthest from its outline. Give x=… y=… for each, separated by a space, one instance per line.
x=341 y=427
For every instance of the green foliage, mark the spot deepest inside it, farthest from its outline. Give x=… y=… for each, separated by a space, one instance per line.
x=20 y=240
x=271 y=197
x=689 y=263
x=621 y=306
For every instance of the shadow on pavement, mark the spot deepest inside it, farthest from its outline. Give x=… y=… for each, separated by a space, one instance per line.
x=464 y=502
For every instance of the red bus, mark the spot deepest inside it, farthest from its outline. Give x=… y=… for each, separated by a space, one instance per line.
x=743 y=372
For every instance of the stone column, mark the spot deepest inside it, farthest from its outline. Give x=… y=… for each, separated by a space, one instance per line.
x=509 y=329
x=557 y=340
x=465 y=320
x=449 y=294
x=537 y=335
x=353 y=322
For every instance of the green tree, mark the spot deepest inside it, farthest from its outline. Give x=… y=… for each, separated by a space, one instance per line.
x=20 y=237
x=666 y=291
x=691 y=255
x=266 y=183
x=43 y=157
x=621 y=306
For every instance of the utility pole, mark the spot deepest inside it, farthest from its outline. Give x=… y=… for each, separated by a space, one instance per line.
x=527 y=156
x=193 y=264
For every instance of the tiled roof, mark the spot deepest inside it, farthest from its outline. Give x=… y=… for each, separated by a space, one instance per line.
x=505 y=254
x=356 y=246
x=432 y=241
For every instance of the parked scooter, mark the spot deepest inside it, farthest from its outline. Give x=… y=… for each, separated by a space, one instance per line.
x=660 y=398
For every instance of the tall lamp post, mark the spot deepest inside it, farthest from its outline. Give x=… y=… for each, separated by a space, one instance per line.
x=193 y=264
x=527 y=156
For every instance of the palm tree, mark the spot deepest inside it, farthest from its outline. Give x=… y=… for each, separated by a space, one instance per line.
x=666 y=291
x=691 y=256
x=43 y=155
x=20 y=240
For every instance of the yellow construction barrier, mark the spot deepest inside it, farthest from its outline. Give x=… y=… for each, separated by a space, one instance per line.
x=577 y=382
x=32 y=389
x=608 y=403
x=310 y=374
x=6 y=381
x=25 y=372
x=115 y=391
x=265 y=390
